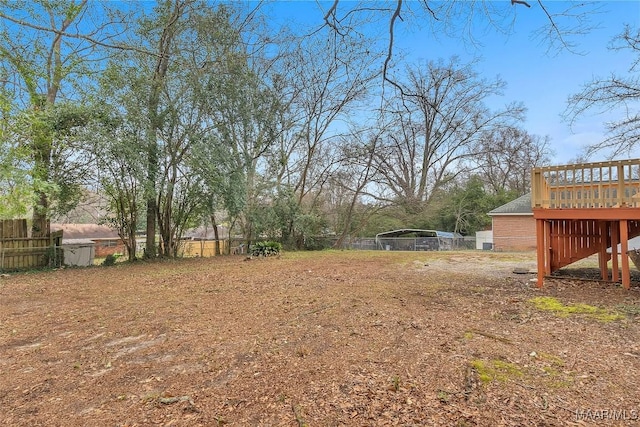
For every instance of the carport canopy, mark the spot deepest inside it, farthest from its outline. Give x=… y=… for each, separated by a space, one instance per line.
x=410 y=231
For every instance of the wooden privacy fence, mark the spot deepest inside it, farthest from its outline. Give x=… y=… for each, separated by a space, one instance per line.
x=202 y=248
x=18 y=251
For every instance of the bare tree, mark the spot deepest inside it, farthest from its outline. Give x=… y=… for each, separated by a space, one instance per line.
x=435 y=124
x=504 y=158
x=329 y=78
x=619 y=93
x=348 y=186
x=461 y=19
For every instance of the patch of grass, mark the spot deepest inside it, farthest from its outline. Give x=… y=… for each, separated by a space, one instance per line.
x=151 y=397
x=557 y=379
x=495 y=370
x=395 y=383
x=555 y=376
x=443 y=396
x=551 y=371
x=560 y=384
x=551 y=358
x=564 y=310
x=299 y=414
x=302 y=351
x=629 y=309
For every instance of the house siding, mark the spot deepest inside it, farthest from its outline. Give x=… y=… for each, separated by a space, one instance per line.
x=514 y=233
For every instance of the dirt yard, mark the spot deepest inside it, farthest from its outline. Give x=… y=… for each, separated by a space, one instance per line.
x=318 y=339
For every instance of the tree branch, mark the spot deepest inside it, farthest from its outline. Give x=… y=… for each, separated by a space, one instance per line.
x=77 y=36
x=514 y=2
x=387 y=60
x=554 y=26
x=332 y=13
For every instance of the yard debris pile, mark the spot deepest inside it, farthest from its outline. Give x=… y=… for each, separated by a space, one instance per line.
x=317 y=339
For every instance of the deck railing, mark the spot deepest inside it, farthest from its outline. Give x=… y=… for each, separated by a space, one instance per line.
x=587 y=185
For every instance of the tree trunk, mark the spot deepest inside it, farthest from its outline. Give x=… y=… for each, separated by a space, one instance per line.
x=217 y=250
x=43 y=136
x=153 y=156
x=42 y=141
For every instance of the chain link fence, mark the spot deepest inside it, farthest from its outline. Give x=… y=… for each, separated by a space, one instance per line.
x=410 y=243
x=237 y=246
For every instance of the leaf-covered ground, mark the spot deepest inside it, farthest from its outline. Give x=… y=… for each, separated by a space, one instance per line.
x=318 y=339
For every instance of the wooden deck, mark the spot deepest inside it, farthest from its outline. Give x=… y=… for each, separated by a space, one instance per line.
x=586 y=209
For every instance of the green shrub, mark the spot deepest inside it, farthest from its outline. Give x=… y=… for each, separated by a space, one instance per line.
x=317 y=243
x=110 y=259
x=265 y=249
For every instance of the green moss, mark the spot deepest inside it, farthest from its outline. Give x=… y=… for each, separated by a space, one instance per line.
x=495 y=370
x=559 y=384
x=629 y=309
x=555 y=374
x=562 y=310
x=443 y=396
x=555 y=360
x=508 y=369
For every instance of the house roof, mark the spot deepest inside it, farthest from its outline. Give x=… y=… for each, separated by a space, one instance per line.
x=519 y=206
x=78 y=242
x=85 y=231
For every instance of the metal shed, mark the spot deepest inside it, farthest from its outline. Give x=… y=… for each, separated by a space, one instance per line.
x=410 y=239
x=78 y=252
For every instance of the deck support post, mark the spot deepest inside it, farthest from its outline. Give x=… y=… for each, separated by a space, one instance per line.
x=602 y=253
x=624 y=248
x=615 y=240
x=540 y=250
x=547 y=248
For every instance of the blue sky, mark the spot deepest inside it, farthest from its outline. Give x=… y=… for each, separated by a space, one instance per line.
x=541 y=80
x=544 y=81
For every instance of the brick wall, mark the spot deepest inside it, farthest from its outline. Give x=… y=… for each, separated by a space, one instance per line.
x=514 y=233
x=104 y=247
